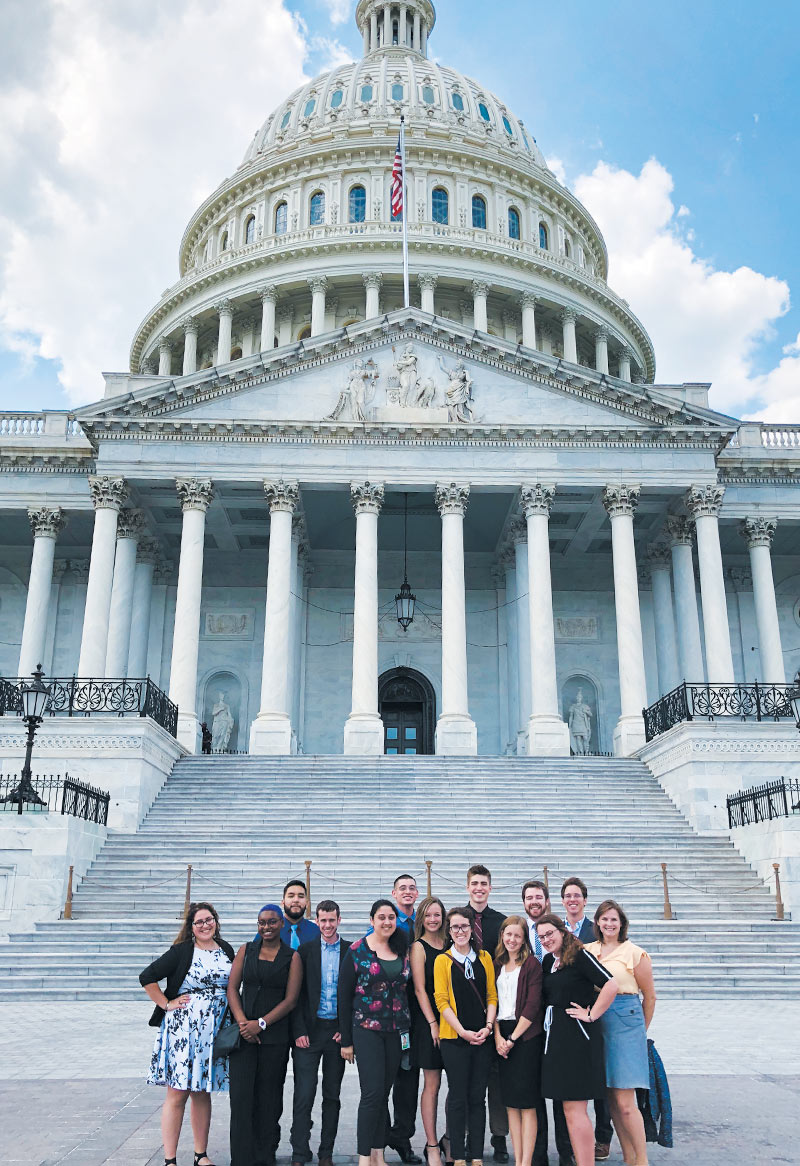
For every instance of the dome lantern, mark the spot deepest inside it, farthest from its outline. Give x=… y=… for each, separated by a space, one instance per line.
x=405 y=26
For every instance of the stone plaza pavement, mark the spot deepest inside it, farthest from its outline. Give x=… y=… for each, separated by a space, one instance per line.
x=72 y=1087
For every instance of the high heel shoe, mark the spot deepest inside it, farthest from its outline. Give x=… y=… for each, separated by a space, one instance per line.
x=446 y=1158
x=432 y=1146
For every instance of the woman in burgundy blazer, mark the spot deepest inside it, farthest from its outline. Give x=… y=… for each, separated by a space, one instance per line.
x=518 y=1034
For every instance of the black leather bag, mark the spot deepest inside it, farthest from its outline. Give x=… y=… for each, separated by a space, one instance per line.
x=228 y=1040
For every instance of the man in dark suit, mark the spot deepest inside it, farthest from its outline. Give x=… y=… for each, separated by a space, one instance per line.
x=315 y=1029
x=574 y=895
x=296 y=928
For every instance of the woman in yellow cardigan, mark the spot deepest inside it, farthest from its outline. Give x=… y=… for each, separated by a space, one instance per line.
x=466 y=996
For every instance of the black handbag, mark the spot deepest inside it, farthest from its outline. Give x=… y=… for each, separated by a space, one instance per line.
x=228 y=1040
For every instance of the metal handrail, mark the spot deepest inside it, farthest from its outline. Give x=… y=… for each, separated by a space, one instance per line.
x=76 y=696
x=689 y=702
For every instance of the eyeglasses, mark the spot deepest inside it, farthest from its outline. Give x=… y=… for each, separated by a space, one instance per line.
x=204 y=922
x=547 y=934
x=460 y=927
x=269 y=923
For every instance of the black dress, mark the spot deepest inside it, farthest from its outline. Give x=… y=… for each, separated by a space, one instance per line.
x=424 y=1053
x=572 y=1066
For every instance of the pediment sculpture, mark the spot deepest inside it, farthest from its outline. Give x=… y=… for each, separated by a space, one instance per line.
x=357 y=395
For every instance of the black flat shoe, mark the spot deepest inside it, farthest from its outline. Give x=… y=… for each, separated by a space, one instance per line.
x=198 y=1156
x=406 y=1154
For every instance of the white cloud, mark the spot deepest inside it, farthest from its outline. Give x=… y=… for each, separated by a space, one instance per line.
x=706 y=324
x=339 y=10
x=557 y=167
x=127 y=118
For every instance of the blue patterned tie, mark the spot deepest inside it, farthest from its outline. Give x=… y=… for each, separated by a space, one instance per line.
x=295 y=938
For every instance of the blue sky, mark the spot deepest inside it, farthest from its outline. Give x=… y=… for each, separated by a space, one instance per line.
x=707 y=90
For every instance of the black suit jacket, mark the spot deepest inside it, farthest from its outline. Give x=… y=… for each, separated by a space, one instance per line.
x=586 y=933
x=173 y=966
x=491 y=922
x=305 y=1013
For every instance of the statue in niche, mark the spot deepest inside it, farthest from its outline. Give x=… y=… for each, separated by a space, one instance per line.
x=222 y=724
x=358 y=393
x=580 y=725
x=458 y=394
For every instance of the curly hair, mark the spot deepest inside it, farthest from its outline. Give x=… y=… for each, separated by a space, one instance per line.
x=570 y=946
x=186 y=930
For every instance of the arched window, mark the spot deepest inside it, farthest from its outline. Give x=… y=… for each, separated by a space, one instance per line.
x=544 y=242
x=311 y=105
x=514 y=231
x=366 y=93
x=337 y=97
x=223 y=243
x=567 y=247
x=304 y=333
x=397 y=91
x=458 y=101
x=250 y=229
x=286 y=119
x=428 y=96
x=483 y=111
x=440 y=205
x=236 y=353
x=507 y=127
x=281 y=218
x=357 y=204
x=479 y=212
x=316 y=209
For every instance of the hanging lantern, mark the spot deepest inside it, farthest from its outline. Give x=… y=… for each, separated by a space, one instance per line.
x=405 y=601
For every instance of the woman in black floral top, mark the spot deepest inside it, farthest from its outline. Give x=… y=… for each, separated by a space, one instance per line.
x=375 y=1022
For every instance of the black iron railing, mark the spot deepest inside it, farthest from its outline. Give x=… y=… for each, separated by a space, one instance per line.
x=59 y=796
x=762 y=803
x=689 y=702
x=78 y=697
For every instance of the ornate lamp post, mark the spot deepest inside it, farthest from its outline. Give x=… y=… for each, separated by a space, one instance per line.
x=405 y=601
x=35 y=700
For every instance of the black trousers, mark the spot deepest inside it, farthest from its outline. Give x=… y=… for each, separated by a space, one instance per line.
x=322 y=1047
x=467 y=1069
x=405 y=1094
x=603 y=1131
x=257 y=1076
x=377 y=1059
x=498 y=1114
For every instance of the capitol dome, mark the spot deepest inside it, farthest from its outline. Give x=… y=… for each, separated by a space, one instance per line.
x=300 y=240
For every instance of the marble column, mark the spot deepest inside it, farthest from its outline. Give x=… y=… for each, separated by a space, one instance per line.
x=741 y=581
x=195 y=496
x=402 y=34
x=269 y=298
x=425 y=39
x=427 y=285
x=528 y=302
x=568 y=319
x=225 y=310
x=757 y=533
x=625 y=364
x=372 y=283
x=297 y=610
x=365 y=34
x=46 y=522
x=548 y=734
x=318 y=285
x=480 y=291
x=620 y=503
x=416 y=30
x=456 y=733
x=387 y=24
x=108 y=494
x=271 y=731
x=189 y=325
x=601 y=350
x=509 y=567
x=518 y=532
x=660 y=559
x=703 y=503
x=363 y=730
x=373 y=31
x=54 y=615
x=687 y=619
x=130 y=526
x=165 y=358
x=146 y=557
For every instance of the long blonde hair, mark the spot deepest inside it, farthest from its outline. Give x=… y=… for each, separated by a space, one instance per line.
x=419 y=919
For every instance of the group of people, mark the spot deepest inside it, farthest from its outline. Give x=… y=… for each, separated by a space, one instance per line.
x=522 y=1008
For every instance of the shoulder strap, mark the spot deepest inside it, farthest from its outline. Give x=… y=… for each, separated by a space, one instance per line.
x=471 y=983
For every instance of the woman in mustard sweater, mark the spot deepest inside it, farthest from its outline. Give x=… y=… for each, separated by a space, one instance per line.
x=466 y=996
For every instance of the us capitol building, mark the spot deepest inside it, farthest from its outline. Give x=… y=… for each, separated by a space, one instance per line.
x=290 y=444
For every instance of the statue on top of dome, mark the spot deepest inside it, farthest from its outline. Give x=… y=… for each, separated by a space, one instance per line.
x=458 y=394
x=359 y=391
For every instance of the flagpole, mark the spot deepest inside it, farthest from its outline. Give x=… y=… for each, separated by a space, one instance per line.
x=406 y=300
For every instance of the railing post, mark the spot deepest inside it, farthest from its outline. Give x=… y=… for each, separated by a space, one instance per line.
x=68 y=903
x=188 y=896
x=776 y=866
x=546 y=877
x=667 y=904
x=758 y=701
x=71 y=701
x=428 y=864
x=308 y=887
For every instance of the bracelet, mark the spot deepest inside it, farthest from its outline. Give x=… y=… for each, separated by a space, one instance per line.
x=512 y=1039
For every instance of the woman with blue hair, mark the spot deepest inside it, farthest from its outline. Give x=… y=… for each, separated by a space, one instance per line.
x=262 y=992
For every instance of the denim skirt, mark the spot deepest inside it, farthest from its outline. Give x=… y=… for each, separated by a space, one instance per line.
x=625 y=1044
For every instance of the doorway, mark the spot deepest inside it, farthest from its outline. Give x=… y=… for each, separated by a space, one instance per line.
x=407 y=705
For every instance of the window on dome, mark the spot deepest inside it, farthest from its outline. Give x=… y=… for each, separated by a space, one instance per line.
x=525 y=140
x=395 y=32
x=281 y=218
x=458 y=101
x=286 y=119
x=357 y=204
x=316 y=209
x=507 y=127
x=304 y=333
x=397 y=92
x=311 y=105
x=337 y=97
x=428 y=96
x=250 y=229
x=544 y=241
x=223 y=243
x=479 y=212
x=483 y=111
x=514 y=231
x=567 y=247
x=440 y=206
x=366 y=93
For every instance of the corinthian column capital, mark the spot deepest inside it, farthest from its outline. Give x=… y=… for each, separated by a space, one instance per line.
x=537 y=499
x=108 y=493
x=621 y=500
x=195 y=493
x=282 y=496
x=758 y=531
x=367 y=497
x=680 y=530
x=130 y=524
x=451 y=498
x=47 y=521
x=704 y=501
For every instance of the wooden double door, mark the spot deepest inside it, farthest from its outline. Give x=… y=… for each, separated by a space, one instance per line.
x=406 y=701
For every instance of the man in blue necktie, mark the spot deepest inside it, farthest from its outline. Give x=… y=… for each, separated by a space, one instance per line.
x=296 y=928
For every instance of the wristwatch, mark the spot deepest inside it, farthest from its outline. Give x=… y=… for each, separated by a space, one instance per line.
x=262 y=1024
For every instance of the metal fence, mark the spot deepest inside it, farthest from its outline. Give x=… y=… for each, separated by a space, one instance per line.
x=689 y=702
x=79 y=697
x=59 y=796
x=762 y=803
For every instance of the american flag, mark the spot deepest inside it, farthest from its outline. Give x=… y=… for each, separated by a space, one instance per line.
x=397 y=182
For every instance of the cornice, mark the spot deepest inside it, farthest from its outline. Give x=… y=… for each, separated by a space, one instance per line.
x=47 y=463
x=756 y=472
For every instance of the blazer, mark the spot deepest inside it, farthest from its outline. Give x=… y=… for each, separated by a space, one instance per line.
x=173 y=966
x=491 y=922
x=305 y=1013
x=443 y=989
x=529 y=995
x=586 y=933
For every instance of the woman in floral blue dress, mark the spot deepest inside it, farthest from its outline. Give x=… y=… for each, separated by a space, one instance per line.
x=188 y=1014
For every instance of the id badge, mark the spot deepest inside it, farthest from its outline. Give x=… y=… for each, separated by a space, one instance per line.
x=405 y=1041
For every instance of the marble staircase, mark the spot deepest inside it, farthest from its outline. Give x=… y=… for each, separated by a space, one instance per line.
x=247 y=824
